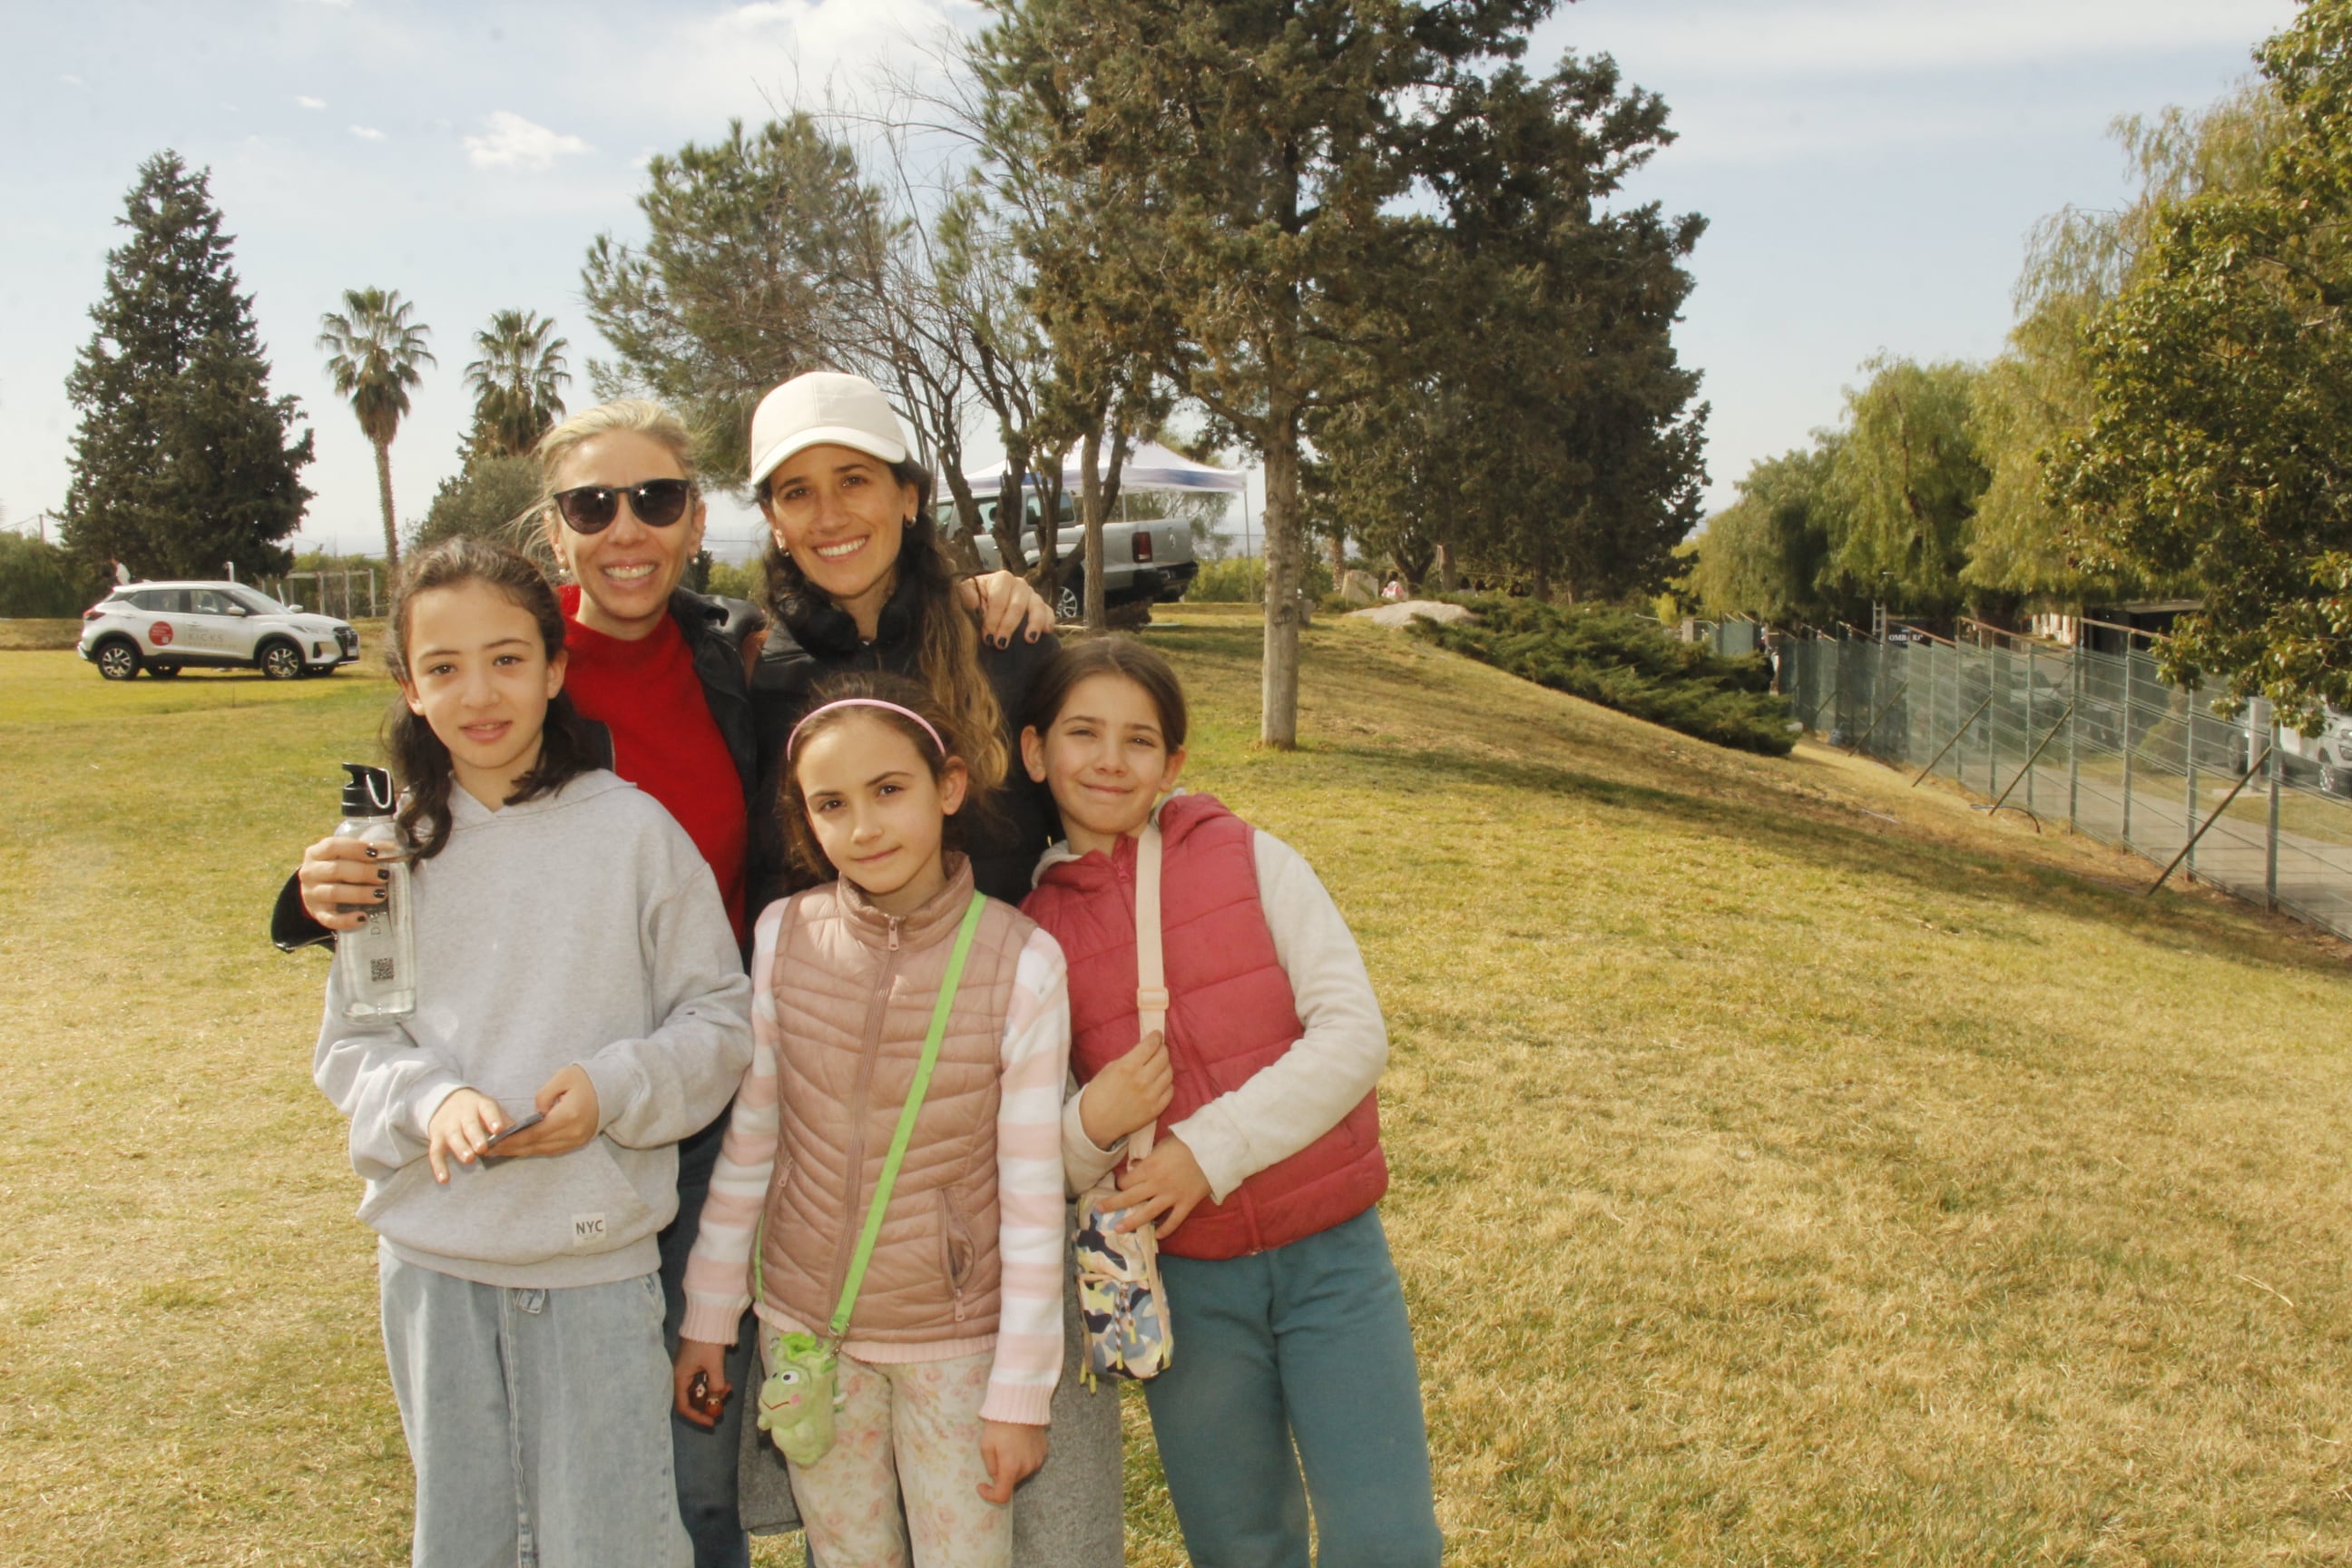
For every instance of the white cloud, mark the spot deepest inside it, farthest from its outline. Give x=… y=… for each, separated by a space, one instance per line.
x=73 y=80
x=307 y=102
x=514 y=142
x=367 y=133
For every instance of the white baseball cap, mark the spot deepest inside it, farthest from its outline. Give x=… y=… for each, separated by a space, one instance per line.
x=824 y=408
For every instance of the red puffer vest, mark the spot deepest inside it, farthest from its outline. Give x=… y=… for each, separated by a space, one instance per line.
x=1231 y=1013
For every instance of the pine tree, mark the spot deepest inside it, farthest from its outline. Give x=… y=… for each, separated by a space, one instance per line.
x=184 y=465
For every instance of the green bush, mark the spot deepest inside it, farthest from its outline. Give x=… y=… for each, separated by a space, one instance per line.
x=738 y=580
x=1611 y=657
x=40 y=581
x=491 y=498
x=1241 y=580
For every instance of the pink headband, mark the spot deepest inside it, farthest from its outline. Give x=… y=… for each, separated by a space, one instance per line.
x=793 y=739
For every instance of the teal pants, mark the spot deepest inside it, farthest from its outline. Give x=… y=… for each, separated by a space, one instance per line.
x=1305 y=1345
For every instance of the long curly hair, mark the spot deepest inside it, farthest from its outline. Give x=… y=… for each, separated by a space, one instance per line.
x=947 y=645
x=420 y=763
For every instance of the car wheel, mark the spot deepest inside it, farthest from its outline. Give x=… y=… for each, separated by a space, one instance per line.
x=281 y=661
x=1070 y=604
x=2331 y=777
x=163 y=671
x=118 y=660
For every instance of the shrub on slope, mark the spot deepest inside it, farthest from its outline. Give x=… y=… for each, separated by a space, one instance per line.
x=1610 y=657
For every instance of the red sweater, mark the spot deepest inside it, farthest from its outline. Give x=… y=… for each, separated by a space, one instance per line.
x=665 y=741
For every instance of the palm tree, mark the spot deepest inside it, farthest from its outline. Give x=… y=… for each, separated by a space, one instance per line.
x=373 y=351
x=518 y=381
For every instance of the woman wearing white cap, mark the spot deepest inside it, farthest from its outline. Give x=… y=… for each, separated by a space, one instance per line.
x=661 y=672
x=858 y=580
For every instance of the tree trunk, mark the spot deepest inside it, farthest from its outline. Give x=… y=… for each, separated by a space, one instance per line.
x=1339 y=557
x=383 y=495
x=1009 y=528
x=1285 y=560
x=1542 y=586
x=1449 y=574
x=1090 y=514
x=963 y=550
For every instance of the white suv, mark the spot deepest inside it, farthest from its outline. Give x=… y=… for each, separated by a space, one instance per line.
x=165 y=628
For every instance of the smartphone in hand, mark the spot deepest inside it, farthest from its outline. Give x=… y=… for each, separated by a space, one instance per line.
x=500 y=1136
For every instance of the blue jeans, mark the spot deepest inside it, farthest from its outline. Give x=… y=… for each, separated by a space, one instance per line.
x=1307 y=1343
x=704 y=1458
x=533 y=1417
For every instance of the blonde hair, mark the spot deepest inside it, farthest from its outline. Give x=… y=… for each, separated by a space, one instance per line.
x=536 y=530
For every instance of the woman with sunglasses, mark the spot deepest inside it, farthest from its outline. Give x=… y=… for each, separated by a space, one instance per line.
x=660 y=671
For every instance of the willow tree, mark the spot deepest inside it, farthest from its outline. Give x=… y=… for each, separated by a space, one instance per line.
x=2219 y=447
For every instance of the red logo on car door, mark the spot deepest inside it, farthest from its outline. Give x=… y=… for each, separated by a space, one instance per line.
x=160 y=633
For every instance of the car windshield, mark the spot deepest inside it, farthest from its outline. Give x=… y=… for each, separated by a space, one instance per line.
x=258 y=604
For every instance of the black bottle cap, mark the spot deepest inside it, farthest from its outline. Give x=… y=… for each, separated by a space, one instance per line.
x=368 y=793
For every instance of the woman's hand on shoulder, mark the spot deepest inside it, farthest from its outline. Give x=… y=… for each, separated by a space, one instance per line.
x=1129 y=1093
x=1012 y=1453
x=1006 y=604
x=341 y=881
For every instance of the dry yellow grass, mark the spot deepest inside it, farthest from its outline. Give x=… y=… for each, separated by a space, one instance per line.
x=1775 y=1181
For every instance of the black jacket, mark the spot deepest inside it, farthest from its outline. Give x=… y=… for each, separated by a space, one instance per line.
x=816 y=639
x=714 y=629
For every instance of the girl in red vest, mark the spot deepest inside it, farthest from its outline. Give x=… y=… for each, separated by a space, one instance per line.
x=1291 y=1345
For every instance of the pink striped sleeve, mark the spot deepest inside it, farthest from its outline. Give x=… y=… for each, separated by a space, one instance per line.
x=719 y=1270
x=1036 y=1059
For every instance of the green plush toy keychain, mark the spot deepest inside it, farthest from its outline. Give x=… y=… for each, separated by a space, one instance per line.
x=802 y=1388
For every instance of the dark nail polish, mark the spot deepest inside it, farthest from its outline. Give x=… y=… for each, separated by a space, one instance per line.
x=384 y=873
x=380 y=895
x=371 y=849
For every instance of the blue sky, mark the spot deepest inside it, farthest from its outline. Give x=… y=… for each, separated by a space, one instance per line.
x=1870 y=169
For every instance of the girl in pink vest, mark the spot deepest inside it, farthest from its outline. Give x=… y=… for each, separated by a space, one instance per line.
x=1291 y=1347
x=941 y=1303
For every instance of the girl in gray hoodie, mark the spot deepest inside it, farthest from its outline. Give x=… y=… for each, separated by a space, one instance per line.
x=575 y=965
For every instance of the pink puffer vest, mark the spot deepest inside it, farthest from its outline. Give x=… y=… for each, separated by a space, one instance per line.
x=854 y=992
x=1231 y=1013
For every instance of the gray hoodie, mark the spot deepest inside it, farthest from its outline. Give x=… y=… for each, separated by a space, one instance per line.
x=581 y=927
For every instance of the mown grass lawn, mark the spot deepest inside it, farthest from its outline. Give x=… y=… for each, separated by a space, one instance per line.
x=1790 y=1167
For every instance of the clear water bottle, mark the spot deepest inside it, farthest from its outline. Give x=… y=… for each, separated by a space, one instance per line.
x=379 y=959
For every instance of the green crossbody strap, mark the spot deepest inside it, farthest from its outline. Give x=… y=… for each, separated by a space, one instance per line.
x=906 y=1130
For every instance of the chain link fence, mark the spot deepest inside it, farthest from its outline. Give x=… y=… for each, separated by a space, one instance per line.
x=2099 y=742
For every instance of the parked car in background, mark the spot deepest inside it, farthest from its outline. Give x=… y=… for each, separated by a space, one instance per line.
x=1147 y=560
x=165 y=628
x=2325 y=759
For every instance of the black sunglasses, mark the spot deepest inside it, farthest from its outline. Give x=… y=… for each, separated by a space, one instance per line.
x=591 y=508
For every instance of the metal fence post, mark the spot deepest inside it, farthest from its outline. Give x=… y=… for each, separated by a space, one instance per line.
x=2128 y=742
x=2270 y=847
x=2189 y=759
x=2075 y=736
x=2030 y=730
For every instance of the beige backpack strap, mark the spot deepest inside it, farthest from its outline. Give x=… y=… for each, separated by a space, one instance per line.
x=1150 y=973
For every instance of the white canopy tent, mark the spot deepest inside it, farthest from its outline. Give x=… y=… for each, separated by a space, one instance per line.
x=1150 y=466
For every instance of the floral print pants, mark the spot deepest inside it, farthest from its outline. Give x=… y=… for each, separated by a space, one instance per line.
x=913 y=1426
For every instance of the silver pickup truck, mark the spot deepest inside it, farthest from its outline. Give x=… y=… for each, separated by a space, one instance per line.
x=1149 y=560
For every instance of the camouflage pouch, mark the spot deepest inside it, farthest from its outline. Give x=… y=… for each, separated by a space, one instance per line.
x=1120 y=1298
x=1120 y=1301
